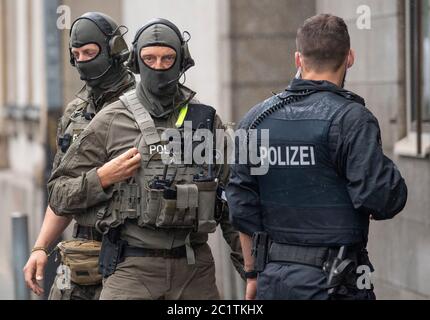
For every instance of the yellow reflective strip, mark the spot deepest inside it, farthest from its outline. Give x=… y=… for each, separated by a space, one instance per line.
x=181 y=117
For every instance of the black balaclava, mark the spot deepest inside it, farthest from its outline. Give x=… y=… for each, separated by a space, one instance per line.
x=158 y=89
x=100 y=73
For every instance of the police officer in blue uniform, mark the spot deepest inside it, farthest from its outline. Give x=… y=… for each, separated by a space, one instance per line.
x=327 y=178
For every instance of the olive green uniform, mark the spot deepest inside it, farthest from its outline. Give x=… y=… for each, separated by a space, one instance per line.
x=75 y=186
x=76 y=117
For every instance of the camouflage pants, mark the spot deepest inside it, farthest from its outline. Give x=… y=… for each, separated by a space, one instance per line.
x=76 y=292
x=149 y=278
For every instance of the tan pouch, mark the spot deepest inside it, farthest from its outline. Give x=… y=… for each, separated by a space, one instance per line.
x=206 y=211
x=82 y=257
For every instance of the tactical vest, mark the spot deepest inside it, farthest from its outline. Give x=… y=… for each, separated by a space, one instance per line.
x=304 y=199
x=167 y=197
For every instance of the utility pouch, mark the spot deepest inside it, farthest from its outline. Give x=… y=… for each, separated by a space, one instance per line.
x=111 y=252
x=129 y=200
x=206 y=212
x=153 y=206
x=124 y=205
x=180 y=212
x=81 y=257
x=260 y=249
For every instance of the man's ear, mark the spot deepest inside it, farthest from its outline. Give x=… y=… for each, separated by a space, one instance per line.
x=297 y=60
x=351 y=58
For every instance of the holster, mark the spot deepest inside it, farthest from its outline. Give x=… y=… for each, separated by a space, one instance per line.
x=260 y=248
x=341 y=270
x=111 y=253
x=221 y=205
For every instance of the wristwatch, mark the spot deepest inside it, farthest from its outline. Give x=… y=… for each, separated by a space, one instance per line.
x=251 y=274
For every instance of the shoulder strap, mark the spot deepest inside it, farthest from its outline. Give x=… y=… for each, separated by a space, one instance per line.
x=142 y=117
x=269 y=106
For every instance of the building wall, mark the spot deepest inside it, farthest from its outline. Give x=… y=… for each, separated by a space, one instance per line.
x=262 y=39
x=3 y=87
x=398 y=248
x=21 y=80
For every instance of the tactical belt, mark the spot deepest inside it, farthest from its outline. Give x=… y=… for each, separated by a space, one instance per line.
x=312 y=256
x=88 y=233
x=175 y=253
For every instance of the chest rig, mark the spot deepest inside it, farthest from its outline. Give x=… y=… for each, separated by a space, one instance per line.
x=165 y=195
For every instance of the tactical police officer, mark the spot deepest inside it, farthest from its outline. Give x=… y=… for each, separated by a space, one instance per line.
x=327 y=177
x=98 y=51
x=157 y=224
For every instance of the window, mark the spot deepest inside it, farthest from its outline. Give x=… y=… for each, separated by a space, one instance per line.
x=425 y=16
x=417 y=142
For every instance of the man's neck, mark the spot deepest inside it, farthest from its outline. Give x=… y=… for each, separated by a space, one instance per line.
x=333 y=77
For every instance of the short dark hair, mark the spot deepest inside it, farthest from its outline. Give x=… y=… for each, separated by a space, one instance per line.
x=324 y=42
